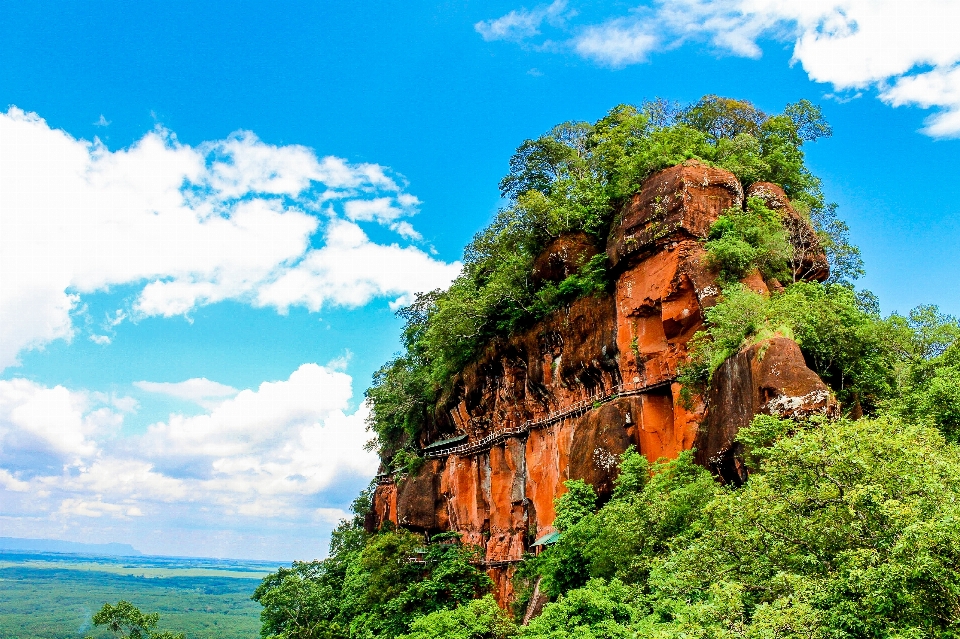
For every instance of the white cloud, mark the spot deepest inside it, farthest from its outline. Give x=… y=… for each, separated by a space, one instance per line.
x=199 y=390
x=380 y=209
x=937 y=88
x=266 y=452
x=523 y=23
x=97 y=508
x=11 y=483
x=189 y=225
x=386 y=212
x=253 y=417
x=907 y=51
x=50 y=421
x=351 y=269
x=405 y=229
x=617 y=43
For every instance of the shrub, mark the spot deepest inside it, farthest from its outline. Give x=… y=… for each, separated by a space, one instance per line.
x=478 y=619
x=845 y=529
x=744 y=240
x=842 y=336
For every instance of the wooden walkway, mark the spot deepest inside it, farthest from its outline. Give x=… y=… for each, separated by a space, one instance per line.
x=483 y=563
x=575 y=410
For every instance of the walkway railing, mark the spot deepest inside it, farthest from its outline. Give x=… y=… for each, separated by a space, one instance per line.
x=574 y=410
x=483 y=563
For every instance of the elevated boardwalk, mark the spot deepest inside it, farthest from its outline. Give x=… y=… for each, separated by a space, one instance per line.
x=574 y=410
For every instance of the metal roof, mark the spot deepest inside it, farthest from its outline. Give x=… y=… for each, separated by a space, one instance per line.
x=445 y=442
x=546 y=540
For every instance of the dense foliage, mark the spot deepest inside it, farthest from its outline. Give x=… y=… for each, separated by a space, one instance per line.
x=479 y=619
x=371 y=585
x=848 y=530
x=574 y=178
x=929 y=377
x=744 y=240
x=845 y=529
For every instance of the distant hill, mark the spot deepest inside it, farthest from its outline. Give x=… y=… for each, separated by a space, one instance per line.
x=56 y=545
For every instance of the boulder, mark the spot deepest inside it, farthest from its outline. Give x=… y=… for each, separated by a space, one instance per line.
x=770 y=378
x=684 y=200
x=597 y=444
x=417 y=499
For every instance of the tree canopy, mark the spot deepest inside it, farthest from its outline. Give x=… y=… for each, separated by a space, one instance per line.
x=126 y=621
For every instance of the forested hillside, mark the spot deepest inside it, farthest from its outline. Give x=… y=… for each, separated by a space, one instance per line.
x=848 y=525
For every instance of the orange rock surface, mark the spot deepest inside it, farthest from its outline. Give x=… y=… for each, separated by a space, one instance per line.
x=629 y=343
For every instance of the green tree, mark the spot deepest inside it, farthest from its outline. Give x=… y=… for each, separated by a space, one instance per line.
x=370 y=586
x=854 y=521
x=563 y=565
x=302 y=602
x=928 y=343
x=599 y=610
x=127 y=622
x=579 y=501
x=631 y=533
x=742 y=240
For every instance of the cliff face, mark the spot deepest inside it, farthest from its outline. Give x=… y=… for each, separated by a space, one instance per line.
x=565 y=398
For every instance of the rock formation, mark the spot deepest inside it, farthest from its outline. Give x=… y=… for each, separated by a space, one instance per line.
x=565 y=398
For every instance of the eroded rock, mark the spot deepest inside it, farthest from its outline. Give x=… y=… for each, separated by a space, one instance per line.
x=682 y=201
x=563 y=257
x=770 y=378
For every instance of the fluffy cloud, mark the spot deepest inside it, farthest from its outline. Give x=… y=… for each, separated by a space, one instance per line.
x=228 y=219
x=265 y=452
x=351 y=269
x=54 y=423
x=618 y=42
x=199 y=390
x=907 y=51
x=523 y=23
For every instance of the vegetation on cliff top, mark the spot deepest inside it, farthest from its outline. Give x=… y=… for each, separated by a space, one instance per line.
x=575 y=178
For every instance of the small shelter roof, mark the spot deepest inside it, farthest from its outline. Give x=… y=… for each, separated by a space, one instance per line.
x=546 y=540
x=445 y=442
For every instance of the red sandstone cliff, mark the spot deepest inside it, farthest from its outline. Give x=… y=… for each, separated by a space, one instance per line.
x=619 y=353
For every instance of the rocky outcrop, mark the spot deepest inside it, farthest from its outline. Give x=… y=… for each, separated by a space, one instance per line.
x=685 y=199
x=572 y=393
x=563 y=257
x=769 y=378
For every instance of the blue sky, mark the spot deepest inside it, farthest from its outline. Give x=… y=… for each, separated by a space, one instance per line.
x=209 y=211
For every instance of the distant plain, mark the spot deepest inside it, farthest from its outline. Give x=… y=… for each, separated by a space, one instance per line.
x=53 y=595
